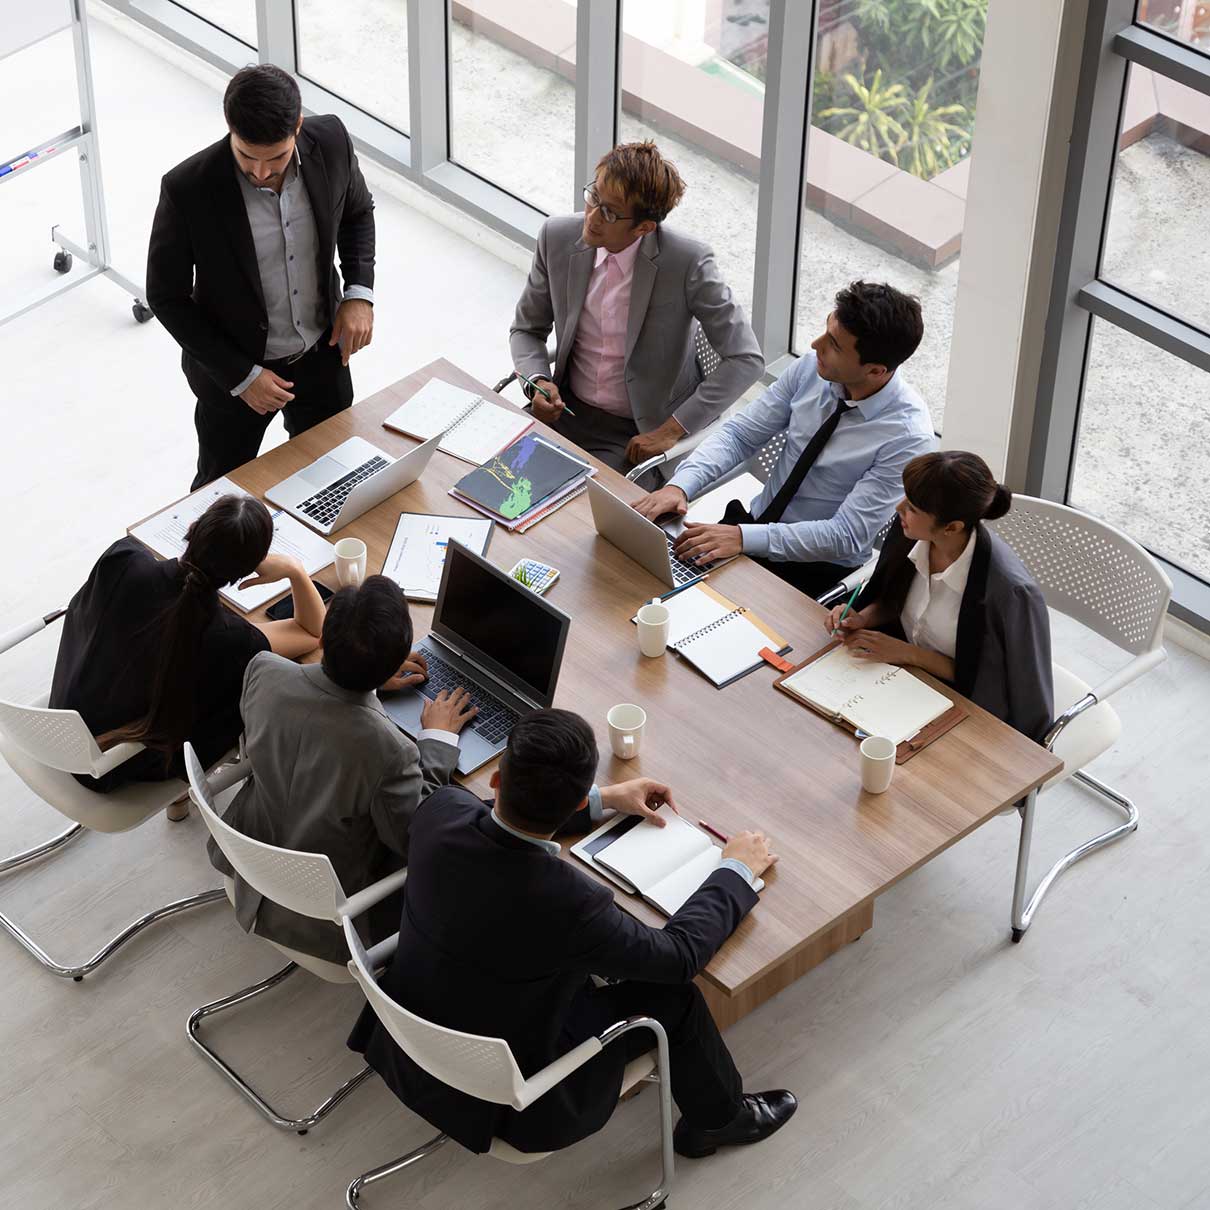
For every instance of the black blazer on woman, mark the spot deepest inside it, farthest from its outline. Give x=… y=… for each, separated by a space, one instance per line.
x=202 y=278
x=1002 y=653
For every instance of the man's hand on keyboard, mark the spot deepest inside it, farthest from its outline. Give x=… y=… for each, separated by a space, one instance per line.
x=706 y=543
x=450 y=710
x=412 y=672
x=642 y=796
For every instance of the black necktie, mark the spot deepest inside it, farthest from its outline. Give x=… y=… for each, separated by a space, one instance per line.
x=806 y=460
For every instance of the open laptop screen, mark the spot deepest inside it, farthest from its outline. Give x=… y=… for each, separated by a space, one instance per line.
x=499 y=623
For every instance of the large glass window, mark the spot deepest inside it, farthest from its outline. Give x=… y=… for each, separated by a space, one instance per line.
x=693 y=80
x=1187 y=21
x=893 y=115
x=1156 y=245
x=358 y=51
x=237 y=17
x=513 y=98
x=1140 y=458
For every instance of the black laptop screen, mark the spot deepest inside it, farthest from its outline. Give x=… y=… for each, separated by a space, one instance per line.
x=498 y=621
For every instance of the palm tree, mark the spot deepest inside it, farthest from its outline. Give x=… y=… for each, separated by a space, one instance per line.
x=933 y=141
x=872 y=123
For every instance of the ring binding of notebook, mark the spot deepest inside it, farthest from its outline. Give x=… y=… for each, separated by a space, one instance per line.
x=907 y=748
x=737 y=612
x=465 y=414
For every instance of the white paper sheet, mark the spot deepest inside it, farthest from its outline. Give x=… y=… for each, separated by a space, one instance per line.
x=708 y=509
x=165 y=535
x=417 y=555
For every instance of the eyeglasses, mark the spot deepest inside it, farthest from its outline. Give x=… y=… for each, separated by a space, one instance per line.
x=592 y=198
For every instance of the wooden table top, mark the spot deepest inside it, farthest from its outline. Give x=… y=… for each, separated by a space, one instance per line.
x=743 y=757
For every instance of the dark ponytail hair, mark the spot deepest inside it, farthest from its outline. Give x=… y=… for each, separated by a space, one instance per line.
x=953 y=485
x=225 y=544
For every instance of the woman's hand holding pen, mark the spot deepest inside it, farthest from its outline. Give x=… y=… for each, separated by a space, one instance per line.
x=856 y=620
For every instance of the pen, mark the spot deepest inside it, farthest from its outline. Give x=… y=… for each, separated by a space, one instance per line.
x=529 y=382
x=848 y=606
x=679 y=588
x=714 y=831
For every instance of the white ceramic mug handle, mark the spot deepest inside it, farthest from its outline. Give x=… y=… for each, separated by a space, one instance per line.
x=628 y=744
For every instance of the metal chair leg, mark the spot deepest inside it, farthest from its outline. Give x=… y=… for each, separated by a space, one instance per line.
x=1023 y=912
x=299 y=1125
x=663 y=1079
x=78 y=971
x=353 y=1193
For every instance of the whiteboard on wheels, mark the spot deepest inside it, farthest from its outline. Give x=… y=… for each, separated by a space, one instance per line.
x=23 y=23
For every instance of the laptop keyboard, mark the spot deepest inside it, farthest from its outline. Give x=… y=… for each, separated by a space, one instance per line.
x=325 y=504
x=683 y=572
x=494 y=720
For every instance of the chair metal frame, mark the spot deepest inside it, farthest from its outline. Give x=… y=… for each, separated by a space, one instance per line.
x=520 y=1092
x=87 y=758
x=204 y=792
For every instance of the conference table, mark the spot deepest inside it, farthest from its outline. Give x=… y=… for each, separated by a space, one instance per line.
x=746 y=756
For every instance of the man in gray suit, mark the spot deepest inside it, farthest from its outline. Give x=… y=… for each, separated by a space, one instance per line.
x=625 y=296
x=330 y=773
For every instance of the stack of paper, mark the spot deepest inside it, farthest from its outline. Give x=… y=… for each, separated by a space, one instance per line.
x=165 y=535
x=523 y=483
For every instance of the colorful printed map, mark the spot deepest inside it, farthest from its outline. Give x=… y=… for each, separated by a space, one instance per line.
x=520 y=477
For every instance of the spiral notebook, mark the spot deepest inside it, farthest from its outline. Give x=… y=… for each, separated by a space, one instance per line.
x=473 y=428
x=720 y=639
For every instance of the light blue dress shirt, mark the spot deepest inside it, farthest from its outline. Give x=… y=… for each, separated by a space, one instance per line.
x=850 y=492
x=596 y=814
x=287 y=259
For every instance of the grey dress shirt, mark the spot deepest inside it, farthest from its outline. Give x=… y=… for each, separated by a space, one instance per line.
x=287 y=258
x=330 y=773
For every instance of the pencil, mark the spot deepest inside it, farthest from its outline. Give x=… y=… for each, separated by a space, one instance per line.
x=714 y=831
x=529 y=382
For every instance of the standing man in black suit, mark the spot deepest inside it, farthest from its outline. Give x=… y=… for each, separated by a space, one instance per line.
x=500 y=935
x=240 y=269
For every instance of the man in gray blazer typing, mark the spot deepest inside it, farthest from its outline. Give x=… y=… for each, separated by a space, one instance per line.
x=330 y=773
x=625 y=296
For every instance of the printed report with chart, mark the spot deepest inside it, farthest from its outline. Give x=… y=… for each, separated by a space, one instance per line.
x=417 y=555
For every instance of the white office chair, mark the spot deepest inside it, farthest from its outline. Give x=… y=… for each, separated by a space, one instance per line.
x=302 y=882
x=1104 y=580
x=44 y=748
x=485 y=1068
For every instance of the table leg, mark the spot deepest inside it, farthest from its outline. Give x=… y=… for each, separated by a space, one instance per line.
x=726 y=1009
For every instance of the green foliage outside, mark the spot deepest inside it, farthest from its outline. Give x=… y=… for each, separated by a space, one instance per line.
x=910 y=99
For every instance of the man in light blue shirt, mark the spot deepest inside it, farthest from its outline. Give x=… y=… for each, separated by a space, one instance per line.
x=851 y=424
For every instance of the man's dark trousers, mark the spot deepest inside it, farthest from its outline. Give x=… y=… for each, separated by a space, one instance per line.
x=229 y=432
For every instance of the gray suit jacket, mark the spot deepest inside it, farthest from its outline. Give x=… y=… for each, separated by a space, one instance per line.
x=675 y=283
x=330 y=774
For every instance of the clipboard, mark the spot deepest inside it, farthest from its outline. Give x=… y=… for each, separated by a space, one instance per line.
x=910 y=746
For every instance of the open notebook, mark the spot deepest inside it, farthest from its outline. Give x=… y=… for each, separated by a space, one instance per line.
x=719 y=638
x=880 y=699
x=473 y=428
x=664 y=865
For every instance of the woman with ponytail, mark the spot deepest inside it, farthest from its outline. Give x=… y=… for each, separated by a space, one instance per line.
x=949 y=596
x=150 y=654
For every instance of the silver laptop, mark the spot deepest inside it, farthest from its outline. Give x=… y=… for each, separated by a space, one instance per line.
x=498 y=640
x=643 y=540
x=348 y=481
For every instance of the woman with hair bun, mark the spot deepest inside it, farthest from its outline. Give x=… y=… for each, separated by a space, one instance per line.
x=149 y=654
x=949 y=596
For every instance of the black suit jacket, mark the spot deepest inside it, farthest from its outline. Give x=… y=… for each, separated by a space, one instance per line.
x=498 y=938
x=1002 y=650
x=202 y=277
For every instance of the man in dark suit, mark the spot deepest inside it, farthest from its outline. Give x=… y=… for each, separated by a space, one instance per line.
x=240 y=269
x=499 y=937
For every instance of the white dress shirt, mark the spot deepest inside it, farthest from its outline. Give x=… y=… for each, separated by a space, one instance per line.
x=930 y=614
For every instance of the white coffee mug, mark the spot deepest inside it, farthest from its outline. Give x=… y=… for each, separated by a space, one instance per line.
x=626 y=723
x=653 y=622
x=350 y=561
x=877 y=764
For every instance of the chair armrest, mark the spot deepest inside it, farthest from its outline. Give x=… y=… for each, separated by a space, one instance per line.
x=26 y=630
x=229 y=775
x=846 y=586
x=1130 y=672
x=558 y=1071
x=686 y=445
x=380 y=954
x=365 y=899
x=115 y=756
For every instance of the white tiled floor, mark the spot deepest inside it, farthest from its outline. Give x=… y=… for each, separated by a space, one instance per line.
x=937 y=1065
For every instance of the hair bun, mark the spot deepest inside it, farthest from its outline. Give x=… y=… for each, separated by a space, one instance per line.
x=1002 y=501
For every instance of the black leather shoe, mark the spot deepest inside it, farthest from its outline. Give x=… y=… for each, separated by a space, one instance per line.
x=763 y=1114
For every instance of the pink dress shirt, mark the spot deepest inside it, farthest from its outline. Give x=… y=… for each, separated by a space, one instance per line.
x=597 y=370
